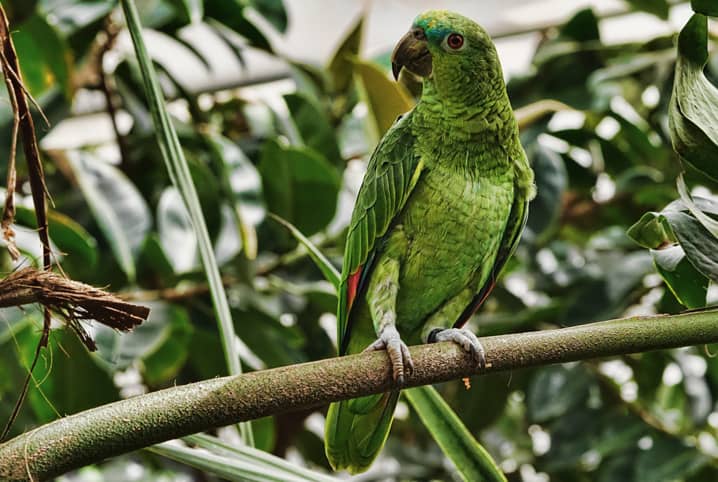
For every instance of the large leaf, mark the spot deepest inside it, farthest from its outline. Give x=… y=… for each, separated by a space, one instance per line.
x=176 y=234
x=385 y=99
x=273 y=11
x=42 y=67
x=706 y=7
x=72 y=382
x=659 y=8
x=160 y=344
x=179 y=172
x=314 y=127
x=471 y=460
x=299 y=185
x=70 y=238
x=117 y=206
x=340 y=66
x=233 y=14
x=693 y=113
x=686 y=283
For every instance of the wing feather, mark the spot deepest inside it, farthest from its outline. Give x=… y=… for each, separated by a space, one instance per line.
x=391 y=175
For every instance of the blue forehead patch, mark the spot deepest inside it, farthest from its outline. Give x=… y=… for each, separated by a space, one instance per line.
x=433 y=28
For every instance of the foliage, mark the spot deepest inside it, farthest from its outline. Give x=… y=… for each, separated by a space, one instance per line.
x=603 y=170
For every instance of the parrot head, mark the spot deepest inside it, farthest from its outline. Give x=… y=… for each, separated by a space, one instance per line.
x=445 y=44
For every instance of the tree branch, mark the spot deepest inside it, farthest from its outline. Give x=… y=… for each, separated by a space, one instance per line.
x=131 y=424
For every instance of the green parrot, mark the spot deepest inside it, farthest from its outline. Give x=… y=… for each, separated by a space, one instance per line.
x=440 y=210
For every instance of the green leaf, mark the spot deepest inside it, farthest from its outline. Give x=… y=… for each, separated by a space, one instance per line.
x=180 y=174
x=176 y=234
x=232 y=14
x=61 y=392
x=686 y=283
x=42 y=67
x=69 y=237
x=471 y=460
x=299 y=185
x=190 y=11
x=161 y=343
x=340 y=66
x=385 y=99
x=243 y=186
x=693 y=110
x=314 y=127
x=238 y=463
x=659 y=8
x=273 y=11
x=117 y=206
x=325 y=266
x=700 y=246
x=668 y=459
x=709 y=223
x=706 y=7
x=551 y=183
x=651 y=231
x=556 y=390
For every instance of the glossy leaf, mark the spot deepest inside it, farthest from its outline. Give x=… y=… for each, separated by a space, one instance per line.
x=61 y=394
x=659 y=8
x=299 y=185
x=70 y=237
x=117 y=206
x=340 y=66
x=385 y=99
x=471 y=460
x=233 y=14
x=273 y=11
x=693 y=111
x=706 y=7
x=180 y=174
x=43 y=68
x=176 y=234
x=314 y=127
x=686 y=283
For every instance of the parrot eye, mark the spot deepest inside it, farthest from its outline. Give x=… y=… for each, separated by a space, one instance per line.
x=455 y=41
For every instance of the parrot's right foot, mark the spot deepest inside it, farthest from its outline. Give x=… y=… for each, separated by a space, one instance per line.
x=465 y=339
x=398 y=352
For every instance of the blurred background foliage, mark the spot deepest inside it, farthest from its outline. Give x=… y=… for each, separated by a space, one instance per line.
x=604 y=167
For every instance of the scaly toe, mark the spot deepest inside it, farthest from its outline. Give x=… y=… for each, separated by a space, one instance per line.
x=465 y=339
x=398 y=352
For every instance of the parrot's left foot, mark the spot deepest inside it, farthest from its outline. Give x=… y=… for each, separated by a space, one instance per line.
x=464 y=338
x=390 y=340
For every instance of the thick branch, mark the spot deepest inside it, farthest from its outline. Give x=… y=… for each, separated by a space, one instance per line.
x=131 y=424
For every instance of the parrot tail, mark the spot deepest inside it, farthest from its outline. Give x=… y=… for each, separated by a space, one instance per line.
x=357 y=429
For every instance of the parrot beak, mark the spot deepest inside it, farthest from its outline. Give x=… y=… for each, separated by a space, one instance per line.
x=411 y=52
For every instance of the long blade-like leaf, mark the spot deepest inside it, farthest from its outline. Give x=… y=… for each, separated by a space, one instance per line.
x=328 y=270
x=181 y=178
x=472 y=461
x=249 y=454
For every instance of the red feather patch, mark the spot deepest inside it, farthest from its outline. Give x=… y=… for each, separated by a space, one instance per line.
x=352 y=285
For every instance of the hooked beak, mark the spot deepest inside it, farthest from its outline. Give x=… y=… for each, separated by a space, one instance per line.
x=411 y=52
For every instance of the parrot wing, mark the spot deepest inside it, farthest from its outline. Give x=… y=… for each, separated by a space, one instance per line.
x=392 y=173
x=509 y=242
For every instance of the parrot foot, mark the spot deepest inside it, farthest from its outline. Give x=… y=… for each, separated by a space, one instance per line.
x=464 y=338
x=390 y=340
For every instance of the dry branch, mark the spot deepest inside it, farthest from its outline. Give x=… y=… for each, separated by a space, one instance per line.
x=71 y=300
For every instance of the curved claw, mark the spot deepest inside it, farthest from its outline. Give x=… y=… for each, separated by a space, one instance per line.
x=465 y=339
x=390 y=340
